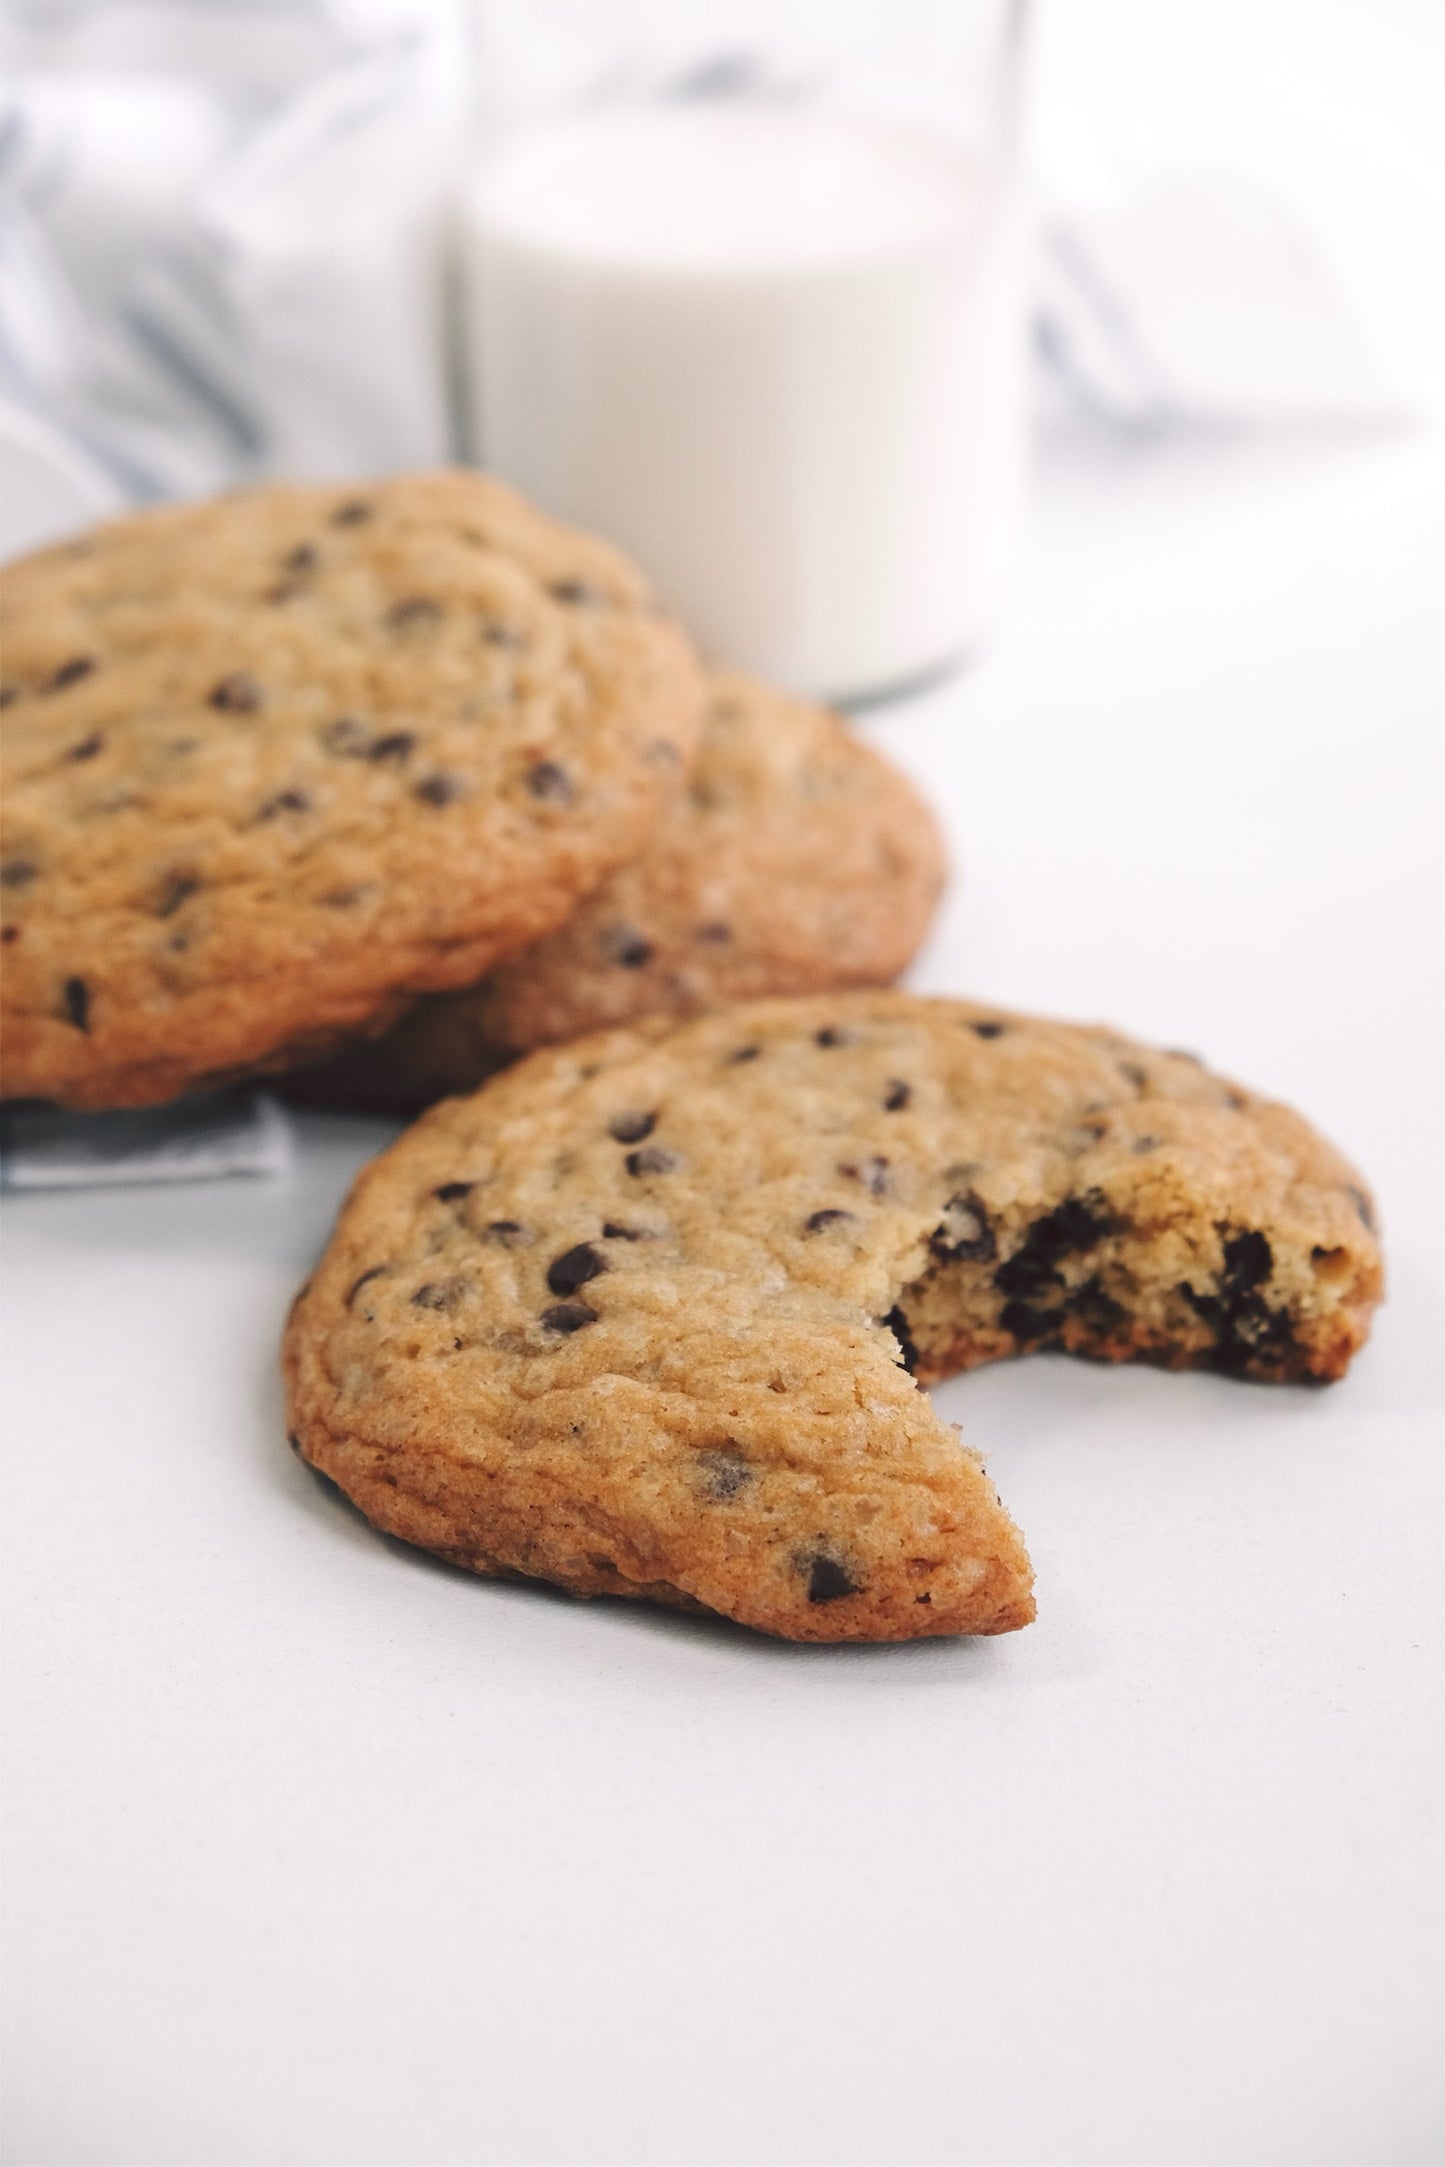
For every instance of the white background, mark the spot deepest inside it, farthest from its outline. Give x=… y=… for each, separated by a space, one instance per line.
x=322 y=1853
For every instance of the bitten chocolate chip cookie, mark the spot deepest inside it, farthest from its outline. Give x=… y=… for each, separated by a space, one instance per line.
x=639 y=1316
x=276 y=764
x=797 y=860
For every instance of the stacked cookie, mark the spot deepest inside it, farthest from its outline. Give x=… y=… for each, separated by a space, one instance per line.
x=276 y=767
x=794 y=859
x=385 y=790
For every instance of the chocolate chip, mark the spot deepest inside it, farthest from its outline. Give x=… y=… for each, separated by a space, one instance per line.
x=567 y=1317
x=438 y=789
x=1272 y=1348
x=87 y=748
x=1248 y=1262
x=652 y=1159
x=631 y=1128
x=413 y=609
x=77 y=1003
x=964 y=1231
x=285 y=590
x=346 y=737
x=724 y=1472
x=497 y=635
x=714 y=933
x=8 y=693
x=990 y=1030
x=897 y=1096
x=1074 y=1142
x=300 y=559
x=452 y=1192
x=1095 y=1307
x=551 y=783
x=612 y=1231
x=828 y=1580
x=834 y=1034
x=1069 y=1229
x=443 y=1294
x=573 y=1269
x=364 y=1281
x=624 y=945
x=820 y=1220
x=238 y=694
x=351 y=513
x=1364 y=1207
x=872 y=1173
x=1250 y=1338
x=1028 y=1323
x=507 y=1233
x=1132 y=1073
x=575 y=591
x=395 y=746
x=9 y=933
x=71 y=672
x=174 y=890
x=285 y=801
x=743 y=1053
x=896 y=1323
x=18 y=872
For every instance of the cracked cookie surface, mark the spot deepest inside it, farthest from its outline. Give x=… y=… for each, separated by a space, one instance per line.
x=639 y=1316
x=796 y=860
x=276 y=764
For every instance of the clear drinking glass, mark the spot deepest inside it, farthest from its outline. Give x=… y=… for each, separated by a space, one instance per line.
x=742 y=289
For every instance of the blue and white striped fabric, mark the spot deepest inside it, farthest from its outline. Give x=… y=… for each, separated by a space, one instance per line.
x=197 y=1139
x=221 y=234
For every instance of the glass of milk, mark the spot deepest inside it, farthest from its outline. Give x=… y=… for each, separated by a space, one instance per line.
x=742 y=290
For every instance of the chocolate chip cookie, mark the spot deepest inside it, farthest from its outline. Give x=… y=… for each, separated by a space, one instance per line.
x=277 y=764
x=646 y=1315
x=797 y=859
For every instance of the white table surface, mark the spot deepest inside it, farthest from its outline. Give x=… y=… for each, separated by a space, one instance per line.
x=320 y=1852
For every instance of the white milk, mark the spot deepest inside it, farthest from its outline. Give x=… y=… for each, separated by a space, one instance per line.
x=778 y=355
